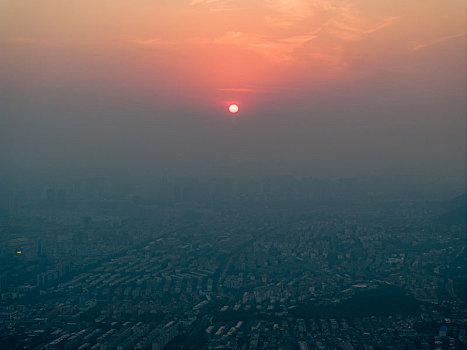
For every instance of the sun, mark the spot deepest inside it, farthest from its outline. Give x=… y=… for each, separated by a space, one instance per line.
x=233 y=108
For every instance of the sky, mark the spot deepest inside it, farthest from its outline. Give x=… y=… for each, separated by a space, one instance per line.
x=326 y=88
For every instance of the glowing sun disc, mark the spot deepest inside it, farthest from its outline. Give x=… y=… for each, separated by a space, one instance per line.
x=233 y=109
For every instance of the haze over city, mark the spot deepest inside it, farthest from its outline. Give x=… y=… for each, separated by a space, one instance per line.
x=233 y=174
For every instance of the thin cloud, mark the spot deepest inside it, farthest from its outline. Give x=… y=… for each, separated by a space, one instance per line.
x=238 y=90
x=205 y=2
x=343 y=21
x=437 y=41
x=278 y=22
x=351 y=27
x=295 y=9
x=147 y=42
x=21 y=40
x=298 y=40
x=214 y=5
x=278 y=50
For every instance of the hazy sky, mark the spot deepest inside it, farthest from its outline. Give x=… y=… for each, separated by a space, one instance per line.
x=325 y=87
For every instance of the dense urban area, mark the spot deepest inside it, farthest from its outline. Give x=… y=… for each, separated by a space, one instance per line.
x=303 y=264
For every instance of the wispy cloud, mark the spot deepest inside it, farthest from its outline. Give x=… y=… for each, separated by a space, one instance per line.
x=437 y=41
x=205 y=2
x=238 y=90
x=295 y=9
x=147 y=42
x=349 y=26
x=278 y=22
x=21 y=40
x=214 y=5
x=340 y=19
x=278 y=50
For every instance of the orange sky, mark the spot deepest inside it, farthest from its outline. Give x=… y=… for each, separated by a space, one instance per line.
x=215 y=51
x=325 y=87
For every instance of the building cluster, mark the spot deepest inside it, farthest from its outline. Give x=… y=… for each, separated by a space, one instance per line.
x=359 y=333
x=231 y=281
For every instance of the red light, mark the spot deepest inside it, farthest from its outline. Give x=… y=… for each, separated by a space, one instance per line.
x=18 y=252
